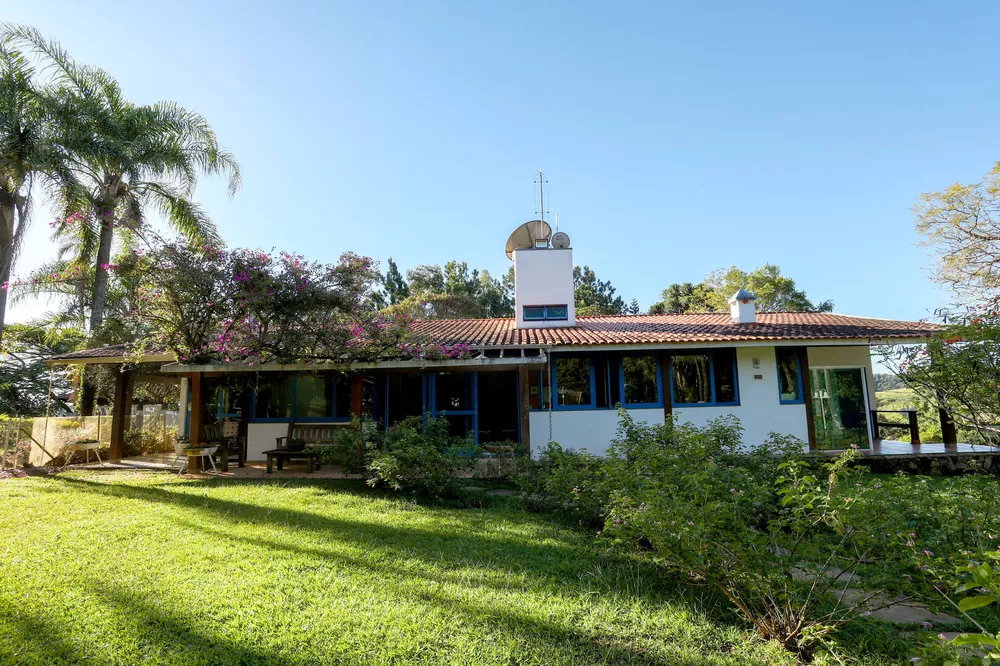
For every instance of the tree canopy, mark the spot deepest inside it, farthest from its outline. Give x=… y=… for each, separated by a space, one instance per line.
x=774 y=291
x=594 y=296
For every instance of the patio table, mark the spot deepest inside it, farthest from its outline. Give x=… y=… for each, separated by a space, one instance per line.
x=281 y=455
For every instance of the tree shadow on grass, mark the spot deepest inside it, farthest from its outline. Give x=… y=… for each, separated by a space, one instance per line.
x=560 y=565
x=38 y=641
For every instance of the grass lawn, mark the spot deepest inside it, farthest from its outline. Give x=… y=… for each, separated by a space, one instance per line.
x=116 y=568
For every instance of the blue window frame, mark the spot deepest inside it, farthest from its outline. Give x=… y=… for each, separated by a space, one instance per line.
x=634 y=374
x=303 y=398
x=791 y=390
x=704 y=379
x=545 y=312
x=455 y=397
x=578 y=381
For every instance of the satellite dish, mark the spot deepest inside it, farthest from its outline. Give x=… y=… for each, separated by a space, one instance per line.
x=560 y=240
x=527 y=236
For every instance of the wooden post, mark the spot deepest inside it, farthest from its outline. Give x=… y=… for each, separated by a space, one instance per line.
x=122 y=413
x=948 y=431
x=807 y=396
x=524 y=406
x=197 y=420
x=914 y=428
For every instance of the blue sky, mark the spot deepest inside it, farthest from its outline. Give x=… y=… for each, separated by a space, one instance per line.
x=676 y=137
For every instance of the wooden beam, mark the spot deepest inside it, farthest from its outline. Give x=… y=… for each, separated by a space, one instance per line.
x=122 y=413
x=197 y=419
x=807 y=396
x=524 y=406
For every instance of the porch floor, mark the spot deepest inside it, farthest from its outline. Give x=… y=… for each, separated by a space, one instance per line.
x=884 y=448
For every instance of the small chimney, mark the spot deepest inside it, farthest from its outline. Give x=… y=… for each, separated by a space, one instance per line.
x=742 y=308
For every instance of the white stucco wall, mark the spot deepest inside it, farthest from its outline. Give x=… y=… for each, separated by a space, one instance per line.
x=261 y=436
x=543 y=277
x=585 y=429
x=760 y=412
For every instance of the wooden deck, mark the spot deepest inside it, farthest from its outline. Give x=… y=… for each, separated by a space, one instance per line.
x=886 y=447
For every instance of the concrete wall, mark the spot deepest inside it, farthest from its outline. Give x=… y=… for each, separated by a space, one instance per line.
x=585 y=429
x=543 y=277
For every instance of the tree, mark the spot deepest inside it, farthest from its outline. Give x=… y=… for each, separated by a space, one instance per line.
x=681 y=298
x=962 y=225
x=774 y=291
x=633 y=307
x=29 y=154
x=455 y=292
x=24 y=375
x=395 y=286
x=594 y=296
x=132 y=158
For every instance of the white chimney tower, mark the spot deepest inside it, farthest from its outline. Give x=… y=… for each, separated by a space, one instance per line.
x=742 y=308
x=543 y=287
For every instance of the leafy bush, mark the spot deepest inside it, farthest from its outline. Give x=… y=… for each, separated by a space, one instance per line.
x=426 y=459
x=568 y=480
x=779 y=538
x=351 y=447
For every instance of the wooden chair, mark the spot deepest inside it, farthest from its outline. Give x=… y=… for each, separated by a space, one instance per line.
x=231 y=446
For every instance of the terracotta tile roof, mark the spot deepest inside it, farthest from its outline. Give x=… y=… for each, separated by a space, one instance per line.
x=673 y=328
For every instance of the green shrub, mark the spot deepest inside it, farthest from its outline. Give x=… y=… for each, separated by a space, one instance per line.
x=423 y=458
x=777 y=535
x=568 y=480
x=351 y=447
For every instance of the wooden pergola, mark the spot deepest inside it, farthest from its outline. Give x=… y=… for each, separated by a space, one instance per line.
x=125 y=380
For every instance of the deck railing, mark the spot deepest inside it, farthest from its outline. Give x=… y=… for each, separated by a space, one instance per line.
x=910 y=424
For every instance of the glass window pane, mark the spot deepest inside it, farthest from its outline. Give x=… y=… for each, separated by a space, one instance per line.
x=725 y=377
x=601 y=382
x=342 y=408
x=313 y=397
x=573 y=381
x=839 y=413
x=691 y=379
x=274 y=398
x=640 y=379
x=534 y=312
x=453 y=392
x=556 y=312
x=538 y=389
x=788 y=375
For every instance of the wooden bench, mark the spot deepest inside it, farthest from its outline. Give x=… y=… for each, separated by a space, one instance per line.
x=311 y=434
x=314 y=435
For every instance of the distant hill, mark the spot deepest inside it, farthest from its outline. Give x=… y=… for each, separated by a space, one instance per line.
x=887 y=382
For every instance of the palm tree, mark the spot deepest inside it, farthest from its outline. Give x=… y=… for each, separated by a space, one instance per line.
x=29 y=153
x=132 y=158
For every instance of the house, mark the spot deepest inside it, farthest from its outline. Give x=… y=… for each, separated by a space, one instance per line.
x=548 y=375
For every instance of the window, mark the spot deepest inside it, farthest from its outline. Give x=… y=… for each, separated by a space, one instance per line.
x=574 y=382
x=273 y=399
x=707 y=378
x=302 y=398
x=640 y=380
x=453 y=392
x=789 y=377
x=538 y=389
x=545 y=312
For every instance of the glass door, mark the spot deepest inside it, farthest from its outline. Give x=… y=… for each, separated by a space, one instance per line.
x=840 y=408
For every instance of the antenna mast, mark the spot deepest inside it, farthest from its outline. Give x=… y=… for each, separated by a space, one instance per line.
x=541 y=200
